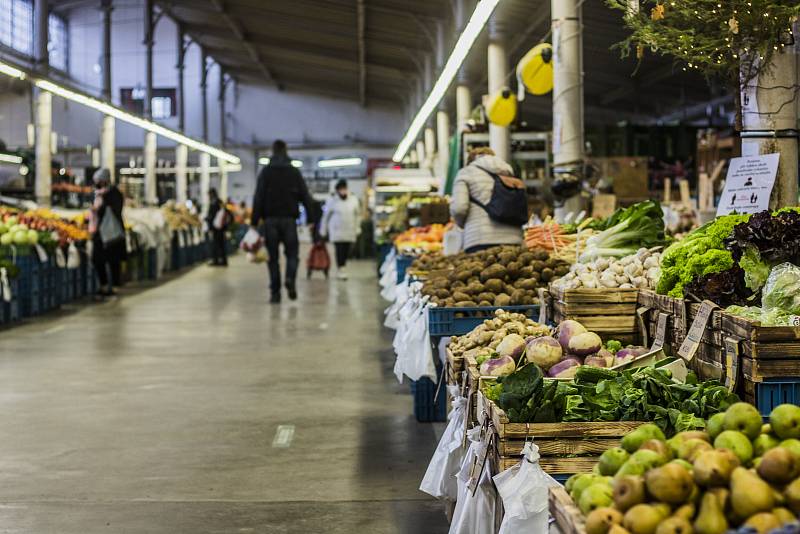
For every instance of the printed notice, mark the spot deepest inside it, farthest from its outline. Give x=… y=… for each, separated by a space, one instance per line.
x=749 y=184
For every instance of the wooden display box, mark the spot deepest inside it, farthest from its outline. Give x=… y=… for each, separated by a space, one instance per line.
x=764 y=351
x=611 y=313
x=566 y=514
x=564 y=448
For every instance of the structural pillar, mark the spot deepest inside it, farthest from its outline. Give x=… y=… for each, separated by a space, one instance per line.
x=108 y=146
x=769 y=122
x=204 y=92
x=41 y=12
x=430 y=147
x=443 y=142
x=107 y=8
x=463 y=94
x=181 y=182
x=221 y=98
x=181 y=66
x=205 y=180
x=223 y=179
x=150 y=180
x=499 y=136
x=567 y=86
x=149 y=31
x=421 y=154
x=44 y=157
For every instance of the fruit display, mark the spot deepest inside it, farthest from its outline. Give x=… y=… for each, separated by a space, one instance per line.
x=499 y=276
x=40 y=226
x=636 y=271
x=179 y=217
x=738 y=473
x=420 y=239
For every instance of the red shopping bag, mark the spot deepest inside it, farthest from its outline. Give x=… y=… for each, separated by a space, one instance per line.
x=318 y=259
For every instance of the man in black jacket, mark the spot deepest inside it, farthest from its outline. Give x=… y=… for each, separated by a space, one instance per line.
x=279 y=191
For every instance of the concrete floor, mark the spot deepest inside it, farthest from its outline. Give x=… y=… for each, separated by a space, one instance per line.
x=158 y=413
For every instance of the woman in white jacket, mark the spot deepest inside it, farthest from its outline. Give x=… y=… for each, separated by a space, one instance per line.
x=341 y=223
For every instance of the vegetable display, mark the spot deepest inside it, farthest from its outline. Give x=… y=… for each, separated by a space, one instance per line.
x=737 y=473
x=626 y=231
x=561 y=240
x=780 y=298
x=640 y=270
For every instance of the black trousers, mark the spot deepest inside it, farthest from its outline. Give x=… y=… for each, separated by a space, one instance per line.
x=277 y=231
x=342 y=252
x=107 y=258
x=218 y=254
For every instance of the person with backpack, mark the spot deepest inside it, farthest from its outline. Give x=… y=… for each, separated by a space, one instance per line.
x=217 y=219
x=108 y=232
x=488 y=202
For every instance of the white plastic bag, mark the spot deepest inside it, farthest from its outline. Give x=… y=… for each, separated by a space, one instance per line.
x=5 y=285
x=73 y=257
x=452 y=241
x=440 y=477
x=251 y=241
x=524 y=490
x=420 y=358
x=61 y=260
x=474 y=513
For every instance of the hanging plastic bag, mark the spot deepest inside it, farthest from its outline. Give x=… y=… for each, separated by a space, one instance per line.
x=61 y=260
x=420 y=359
x=73 y=257
x=475 y=512
x=5 y=285
x=440 y=477
x=251 y=242
x=452 y=241
x=524 y=490
x=389 y=261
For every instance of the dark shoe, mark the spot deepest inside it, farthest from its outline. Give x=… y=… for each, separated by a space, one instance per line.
x=292 y=292
x=275 y=298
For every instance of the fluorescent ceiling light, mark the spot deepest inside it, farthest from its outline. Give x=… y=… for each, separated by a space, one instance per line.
x=296 y=163
x=10 y=158
x=263 y=161
x=340 y=162
x=476 y=23
x=14 y=72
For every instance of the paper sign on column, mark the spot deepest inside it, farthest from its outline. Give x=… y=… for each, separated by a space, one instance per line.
x=748 y=185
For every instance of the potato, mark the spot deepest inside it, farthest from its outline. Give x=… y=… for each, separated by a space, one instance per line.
x=506 y=257
x=513 y=269
x=517 y=297
x=502 y=300
x=484 y=303
x=547 y=274
x=485 y=295
x=460 y=296
x=456 y=285
x=466 y=304
x=442 y=293
x=474 y=288
x=494 y=271
x=526 y=271
x=540 y=254
x=495 y=285
x=526 y=258
x=561 y=270
x=537 y=266
x=463 y=275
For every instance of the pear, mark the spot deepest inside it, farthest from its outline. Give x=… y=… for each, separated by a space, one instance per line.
x=743 y=417
x=686 y=511
x=694 y=434
x=738 y=443
x=571 y=480
x=722 y=495
x=629 y=491
x=749 y=494
x=674 y=525
x=631 y=467
x=611 y=460
x=792 y=496
x=714 y=467
x=766 y=428
x=662 y=508
x=714 y=425
x=658 y=446
x=763 y=443
x=784 y=515
x=598 y=495
x=692 y=447
x=643 y=519
x=711 y=519
x=683 y=463
x=785 y=421
x=618 y=529
x=632 y=441
x=779 y=466
x=649 y=458
x=599 y=520
x=581 y=483
x=763 y=522
x=669 y=483
x=792 y=444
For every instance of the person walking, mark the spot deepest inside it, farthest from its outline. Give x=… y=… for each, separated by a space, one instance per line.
x=217 y=219
x=341 y=224
x=279 y=191
x=108 y=232
x=472 y=192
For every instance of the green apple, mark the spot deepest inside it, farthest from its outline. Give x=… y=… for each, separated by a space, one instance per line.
x=6 y=239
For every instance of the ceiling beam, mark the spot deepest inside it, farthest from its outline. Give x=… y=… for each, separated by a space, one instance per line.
x=362 y=53
x=237 y=30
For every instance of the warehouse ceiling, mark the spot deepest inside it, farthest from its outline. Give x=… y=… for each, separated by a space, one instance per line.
x=372 y=51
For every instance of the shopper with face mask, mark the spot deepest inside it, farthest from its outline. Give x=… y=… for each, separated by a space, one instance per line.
x=341 y=223
x=108 y=232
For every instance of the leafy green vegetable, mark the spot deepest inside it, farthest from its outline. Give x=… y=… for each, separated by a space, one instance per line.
x=613 y=346
x=756 y=270
x=480 y=358
x=626 y=231
x=782 y=290
x=493 y=391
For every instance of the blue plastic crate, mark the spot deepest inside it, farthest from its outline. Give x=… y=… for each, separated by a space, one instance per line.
x=152 y=263
x=460 y=321
x=30 y=303
x=774 y=392
x=403 y=262
x=429 y=407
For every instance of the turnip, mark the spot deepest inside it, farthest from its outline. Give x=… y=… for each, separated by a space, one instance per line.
x=567 y=330
x=628 y=354
x=585 y=344
x=512 y=345
x=607 y=356
x=544 y=352
x=595 y=360
x=565 y=368
x=498 y=367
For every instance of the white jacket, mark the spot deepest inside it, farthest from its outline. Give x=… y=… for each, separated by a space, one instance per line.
x=341 y=221
x=479 y=229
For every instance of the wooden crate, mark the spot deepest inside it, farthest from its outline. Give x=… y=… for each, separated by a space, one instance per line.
x=764 y=351
x=609 y=312
x=455 y=366
x=566 y=514
x=564 y=448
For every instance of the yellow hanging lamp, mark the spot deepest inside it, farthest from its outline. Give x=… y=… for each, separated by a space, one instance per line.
x=535 y=71
x=501 y=107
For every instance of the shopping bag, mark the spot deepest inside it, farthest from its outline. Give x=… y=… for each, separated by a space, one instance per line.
x=221 y=219
x=524 y=490
x=475 y=512
x=5 y=285
x=440 y=477
x=61 y=260
x=251 y=241
x=452 y=241
x=318 y=258
x=111 y=229
x=73 y=257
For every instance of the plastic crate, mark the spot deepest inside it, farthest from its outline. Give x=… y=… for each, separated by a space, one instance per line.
x=403 y=263
x=460 y=321
x=152 y=263
x=772 y=393
x=428 y=407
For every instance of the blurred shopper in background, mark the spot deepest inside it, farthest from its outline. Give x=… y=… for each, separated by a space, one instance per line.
x=279 y=191
x=472 y=190
x=108 y=232
x=218 y=218
x=341 y=224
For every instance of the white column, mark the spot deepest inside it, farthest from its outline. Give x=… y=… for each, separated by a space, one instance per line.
x=223 y=180
x=181 y=182
x=150 y=182
x=769 y=118
x=443 y=140
x=421 y=155
x=108 y=154
x=44 y=156
x=567 y=84
x=463 y=106
x=205 y=180
x=499 y=136
x=430 y=146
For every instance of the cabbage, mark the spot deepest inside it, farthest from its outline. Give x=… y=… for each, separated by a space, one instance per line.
x=782 y=291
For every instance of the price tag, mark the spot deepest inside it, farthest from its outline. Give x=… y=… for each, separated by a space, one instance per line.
x=661 y=331
x=732 y=360
x=640 y=319
x=542 y=305
x=794 y=320
x=692 y=342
